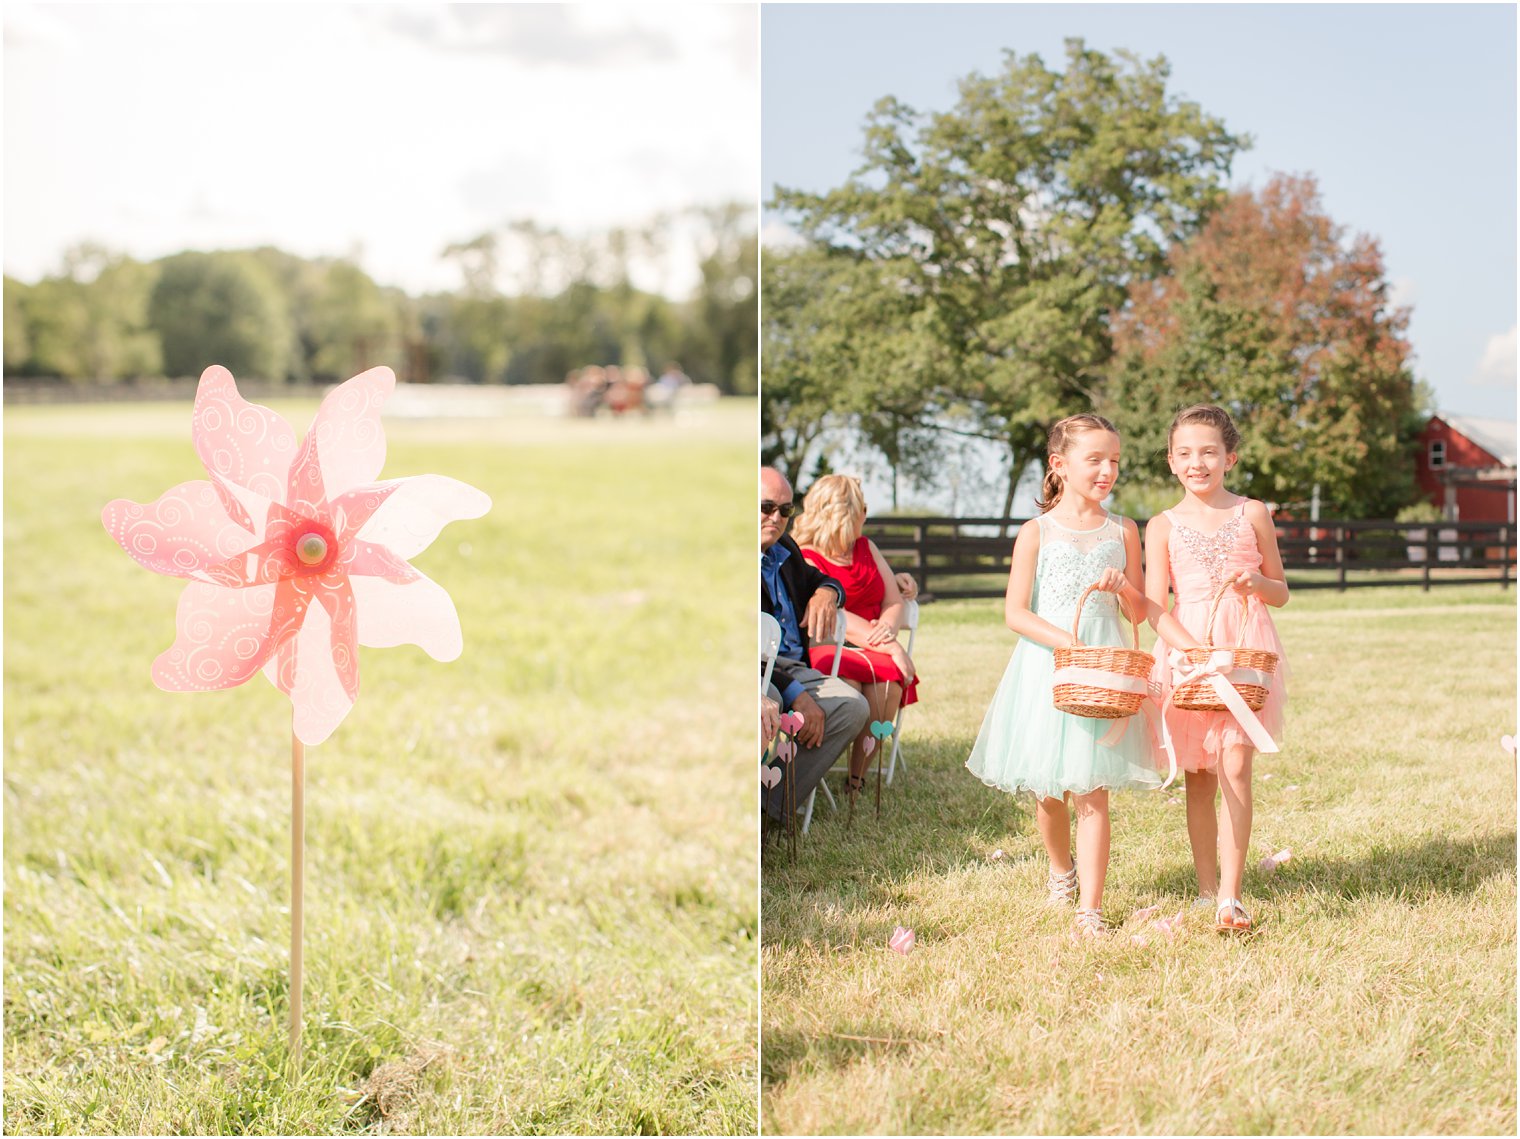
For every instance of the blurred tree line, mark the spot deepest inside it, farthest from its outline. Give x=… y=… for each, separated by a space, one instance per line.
x=267 y=314
x=1063 y=241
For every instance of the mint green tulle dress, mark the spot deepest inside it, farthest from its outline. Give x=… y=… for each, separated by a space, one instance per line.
x=1026 y=744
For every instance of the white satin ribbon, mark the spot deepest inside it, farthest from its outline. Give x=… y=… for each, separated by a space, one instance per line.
x=1215 y=670
x=1097 y=678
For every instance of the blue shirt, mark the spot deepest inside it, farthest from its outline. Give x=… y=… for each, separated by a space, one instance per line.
x=786 y=616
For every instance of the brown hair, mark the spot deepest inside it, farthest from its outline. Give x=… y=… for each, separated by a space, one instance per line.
x=1061 y=436
x=832 y=514
x=1210 y=416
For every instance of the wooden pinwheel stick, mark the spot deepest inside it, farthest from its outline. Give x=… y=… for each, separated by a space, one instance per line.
x=297 y=884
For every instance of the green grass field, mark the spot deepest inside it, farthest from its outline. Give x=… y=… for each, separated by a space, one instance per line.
x=531 y=882
x=1377 y=995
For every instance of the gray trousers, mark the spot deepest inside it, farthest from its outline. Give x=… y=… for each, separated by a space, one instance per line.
x=845 y=712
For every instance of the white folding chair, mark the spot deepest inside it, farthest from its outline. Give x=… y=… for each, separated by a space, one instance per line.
x=807 y=808
x=910 y=622
x=770 y=644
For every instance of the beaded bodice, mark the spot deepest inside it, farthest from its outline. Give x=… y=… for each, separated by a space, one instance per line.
x=1071 y=560
x=1201 y=560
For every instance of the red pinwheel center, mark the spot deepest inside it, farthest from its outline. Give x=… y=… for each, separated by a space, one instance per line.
x=316 y=547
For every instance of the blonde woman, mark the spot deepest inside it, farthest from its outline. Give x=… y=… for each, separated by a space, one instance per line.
x=829 y=531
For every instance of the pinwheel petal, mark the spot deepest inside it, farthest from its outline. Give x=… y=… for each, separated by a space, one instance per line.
x=305 y=493
x=353 y=508
x=337 y=597
x=305 y=670
x=349 y=433
x=418 y=613
x=407 y=522
x=366 y=559
x=180 y=534
x=226 y=635
x=240 y=442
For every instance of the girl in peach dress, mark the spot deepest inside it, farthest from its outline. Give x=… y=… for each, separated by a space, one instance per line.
x=1209 y=538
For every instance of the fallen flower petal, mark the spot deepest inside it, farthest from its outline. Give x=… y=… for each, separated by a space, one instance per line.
x=902 y=940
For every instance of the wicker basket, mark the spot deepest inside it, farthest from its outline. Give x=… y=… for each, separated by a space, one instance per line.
x=1096 y=701
x=1199 y=695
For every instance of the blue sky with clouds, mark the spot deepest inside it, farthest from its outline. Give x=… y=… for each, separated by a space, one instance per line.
x=1406 y=115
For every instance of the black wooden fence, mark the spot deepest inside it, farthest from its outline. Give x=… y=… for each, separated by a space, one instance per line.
x=969 y=557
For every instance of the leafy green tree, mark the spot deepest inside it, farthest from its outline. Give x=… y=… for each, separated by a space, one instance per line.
x=91 y=322
x=354 y=324
x=1015 y=221
x=1273 y=314
x=222 y=308
x=807 y=349
x=842 y=339
x=18 y=341
x=723 y=321
x=300 y=281
x=120 y=342
x=58 y=320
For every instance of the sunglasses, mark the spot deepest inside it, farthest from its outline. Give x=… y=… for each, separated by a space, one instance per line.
x=785 y=509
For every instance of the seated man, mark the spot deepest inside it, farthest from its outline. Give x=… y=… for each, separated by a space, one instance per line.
x=805 y=603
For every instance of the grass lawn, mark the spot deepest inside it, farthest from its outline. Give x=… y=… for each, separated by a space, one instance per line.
x=1377 y=995
x=531 y=883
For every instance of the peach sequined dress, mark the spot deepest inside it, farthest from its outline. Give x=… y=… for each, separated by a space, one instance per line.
x=1198 y=562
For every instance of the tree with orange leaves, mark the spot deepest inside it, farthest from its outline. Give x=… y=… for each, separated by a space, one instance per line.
x=1270 y=312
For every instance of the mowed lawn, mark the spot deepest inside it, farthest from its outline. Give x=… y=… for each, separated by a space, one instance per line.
x=1377 y=995
x=531 y=880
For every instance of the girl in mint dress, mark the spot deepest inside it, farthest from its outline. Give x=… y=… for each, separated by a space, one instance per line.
x=1026 y=743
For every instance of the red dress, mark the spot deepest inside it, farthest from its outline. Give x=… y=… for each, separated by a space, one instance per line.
x=863 y=592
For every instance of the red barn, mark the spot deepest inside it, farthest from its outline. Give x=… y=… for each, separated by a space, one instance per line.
x=1467 y=467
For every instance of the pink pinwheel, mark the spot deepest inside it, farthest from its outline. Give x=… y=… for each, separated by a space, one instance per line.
x=294 y=554
x=295 y=557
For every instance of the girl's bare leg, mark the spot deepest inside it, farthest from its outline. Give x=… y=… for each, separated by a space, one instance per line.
x=1203 y=829
x=1054 y=821
x=1235 y=836
x=1092 y=847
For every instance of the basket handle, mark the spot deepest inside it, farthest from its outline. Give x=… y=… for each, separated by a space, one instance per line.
x=1076 y=621
x=1208 y=628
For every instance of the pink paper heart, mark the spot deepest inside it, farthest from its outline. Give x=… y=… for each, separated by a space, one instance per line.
x=902 y=940
x=790 y=722
x=868 y=745
x=785 y=749
x=1507 y=743
x=770 y=776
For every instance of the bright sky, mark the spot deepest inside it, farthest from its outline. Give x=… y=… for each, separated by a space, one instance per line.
x=1404 y=113
x=383 y=130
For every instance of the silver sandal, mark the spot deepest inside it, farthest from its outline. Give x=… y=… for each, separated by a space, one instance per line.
x=1061 y=888
x=1088 y=926
x=1231 y=917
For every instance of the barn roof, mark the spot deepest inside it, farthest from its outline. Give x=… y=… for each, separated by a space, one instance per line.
x=1496 y=436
